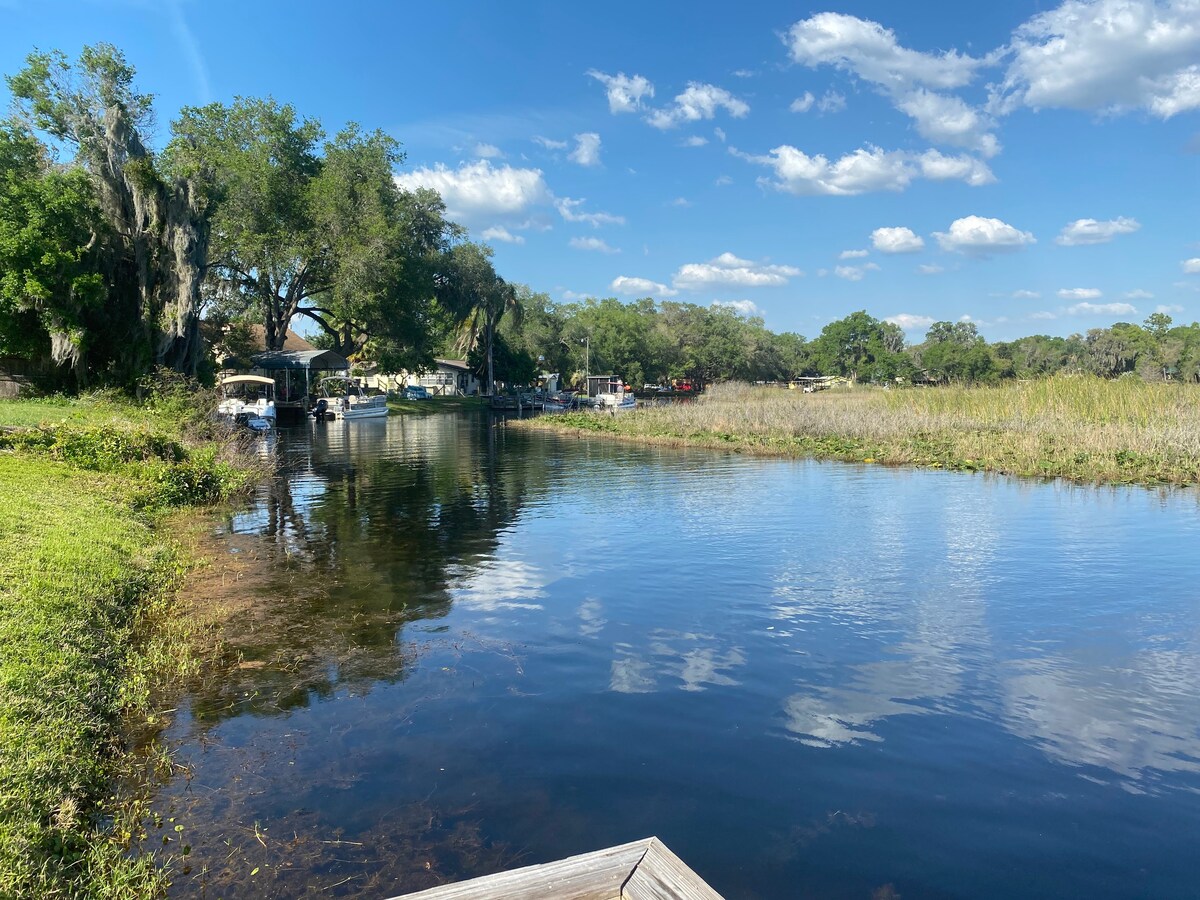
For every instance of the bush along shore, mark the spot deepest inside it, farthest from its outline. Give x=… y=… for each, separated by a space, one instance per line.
x=1076 y=427
x=86 y=577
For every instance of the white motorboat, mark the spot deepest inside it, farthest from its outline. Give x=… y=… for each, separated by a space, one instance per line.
x=248 y=400
x=608 y=393
x=342 y=397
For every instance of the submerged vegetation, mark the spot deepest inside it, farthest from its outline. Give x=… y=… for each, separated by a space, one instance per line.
x=85 y=585
x=1077 y=427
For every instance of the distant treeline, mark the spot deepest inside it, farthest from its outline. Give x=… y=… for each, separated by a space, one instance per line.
x=113 y=256
x=654 y=342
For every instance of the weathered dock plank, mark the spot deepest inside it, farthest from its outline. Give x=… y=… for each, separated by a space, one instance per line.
x=641 y=870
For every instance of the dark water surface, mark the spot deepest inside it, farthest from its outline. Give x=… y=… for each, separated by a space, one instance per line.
x=471 y=648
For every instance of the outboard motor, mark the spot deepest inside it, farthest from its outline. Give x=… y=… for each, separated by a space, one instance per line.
x=321 y=409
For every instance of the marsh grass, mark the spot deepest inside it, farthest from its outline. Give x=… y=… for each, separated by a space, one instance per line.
x=1081 y=428
x=88 y=630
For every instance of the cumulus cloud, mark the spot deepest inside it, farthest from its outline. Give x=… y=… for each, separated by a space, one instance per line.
x=854 y=273
x=695 y=141
x=1101 y=309
x=570 y=210
x=1191 y=266
x=1090 y=231
x=591 y=243
x=1137 y=294
x=1079 y=293
x=728 y=270
x=1168 y=308
x=853 y=254
x=640 y=287
x=625 y=92
x=896 y=240
x=723 y=180
x=866 y=170
x=698 y=101
x=1112 y=56
x=945 y=119
x=930 y=269
x=871 y=52
x=500 y=233
x=548 y=143
x=910 y=322
x=1043 y=314
x=915 y=82
x=1025 y=295
x=479 y=189
x=587 y=149
x=831 y=102
x=487 y=151
x=742 y=307
x=803 y=104
x=979 y=236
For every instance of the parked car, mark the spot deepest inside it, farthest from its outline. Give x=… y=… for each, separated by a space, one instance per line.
x=415 y=392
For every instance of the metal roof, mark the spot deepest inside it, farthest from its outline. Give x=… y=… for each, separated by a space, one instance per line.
x=324 y=360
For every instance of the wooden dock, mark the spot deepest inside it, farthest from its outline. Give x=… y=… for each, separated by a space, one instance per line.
x=642 y=870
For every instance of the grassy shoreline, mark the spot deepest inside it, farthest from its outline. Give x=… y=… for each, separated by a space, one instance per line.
x=1077 y=428
x=87 y=575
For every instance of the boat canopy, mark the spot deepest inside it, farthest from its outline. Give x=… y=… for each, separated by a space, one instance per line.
x=247 y=379
x=325 y=360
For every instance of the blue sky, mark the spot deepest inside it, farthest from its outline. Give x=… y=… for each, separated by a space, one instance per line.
x=1030 y=165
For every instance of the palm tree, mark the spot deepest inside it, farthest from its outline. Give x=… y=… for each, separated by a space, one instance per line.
x=477 y=298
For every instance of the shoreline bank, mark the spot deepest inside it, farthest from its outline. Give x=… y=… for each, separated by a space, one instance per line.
x=91 y=562
x=1083 y=430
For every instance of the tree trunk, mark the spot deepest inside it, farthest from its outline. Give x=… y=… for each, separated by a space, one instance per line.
x=491 y=329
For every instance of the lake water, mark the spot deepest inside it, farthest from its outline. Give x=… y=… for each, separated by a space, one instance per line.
x=469 y=648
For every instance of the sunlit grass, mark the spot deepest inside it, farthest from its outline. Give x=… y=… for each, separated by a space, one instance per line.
x=1081 y=428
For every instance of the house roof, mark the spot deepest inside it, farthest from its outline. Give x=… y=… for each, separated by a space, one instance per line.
x=460 y=364
x=291 y=341
x=324 y=360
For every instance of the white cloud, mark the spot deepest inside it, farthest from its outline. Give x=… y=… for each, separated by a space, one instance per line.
x=720 y=133
x=865 y=170
x=1090 y=231
x=548 y=143
x=625 y=92
x=831 y=102
x=803 y=104
x=910 y=322
x=698 y=101
x=896 y=240
x=569 y=210
x=871 y=52
x=743 y=307
x=487 y=151
x=1026 y=295
x=853 y=254
x=587 y=149
x=723 y=180
x=1137 y=294
x=1168 y=308
x=683 y=202
x=930 y=269
x=1079 y=293
x=729 y=270
x=591 y=243
x=944 y=119
x=1043 y=314
x=979 y=236
x=479 y=189
x=854 y=273
x=571 y=296
x=695 y=141
x=1112 y=56
x=500 y=233
x=1101 y=309
x=641 y=287
x=1191 y=266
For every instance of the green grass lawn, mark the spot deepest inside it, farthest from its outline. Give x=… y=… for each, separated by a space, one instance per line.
x=87 y=572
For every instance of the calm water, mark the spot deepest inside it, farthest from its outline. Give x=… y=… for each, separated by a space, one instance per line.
x=471 y=648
